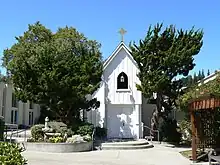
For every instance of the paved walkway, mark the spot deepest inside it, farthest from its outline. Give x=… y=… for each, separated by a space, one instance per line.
x=155 y=156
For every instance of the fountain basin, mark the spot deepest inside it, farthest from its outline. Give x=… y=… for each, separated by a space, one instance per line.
x=58 y=147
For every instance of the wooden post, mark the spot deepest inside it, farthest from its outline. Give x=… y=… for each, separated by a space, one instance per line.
x=193 y=135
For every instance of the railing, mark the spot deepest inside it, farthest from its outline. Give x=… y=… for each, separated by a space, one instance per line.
x=151 y=130
x=93 y=134
x=13 y=128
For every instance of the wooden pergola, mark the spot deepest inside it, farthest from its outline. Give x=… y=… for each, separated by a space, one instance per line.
x=203 y=103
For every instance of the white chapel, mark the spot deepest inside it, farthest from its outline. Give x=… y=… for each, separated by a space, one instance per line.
x=122 y=108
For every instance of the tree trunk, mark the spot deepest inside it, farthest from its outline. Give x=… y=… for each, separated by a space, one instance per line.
x=156 y=115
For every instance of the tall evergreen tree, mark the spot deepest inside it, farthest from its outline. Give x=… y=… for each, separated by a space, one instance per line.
x=199 y=76
x=203 y=74
x=208 y=73
x=162 y=56
x=195 y=78
x=190 y=80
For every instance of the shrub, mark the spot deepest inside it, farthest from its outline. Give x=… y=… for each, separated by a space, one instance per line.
x=169 y=131
x=56 y=139
x=56 y=126
x=31 y=139
x=2 y=126
x=75 y=139
x=85 y=130
x=100 y=132
x=37 y=133
x=185 y=129
x=60 y=127
x=10 y=154
x=68 y=131
x=87 y=138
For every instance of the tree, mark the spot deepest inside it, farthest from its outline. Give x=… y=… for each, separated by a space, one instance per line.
x=208 y=73
x=190 y=80
x=195 y=78
x=199 y=76
x=55 y=69
x=211 y=88
x=203 y=74
x=162 y=56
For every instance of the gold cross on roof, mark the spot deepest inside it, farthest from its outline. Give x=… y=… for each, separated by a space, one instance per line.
x=122 y=32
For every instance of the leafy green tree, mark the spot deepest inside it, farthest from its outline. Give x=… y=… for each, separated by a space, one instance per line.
x=162 y=56
x=55 y=69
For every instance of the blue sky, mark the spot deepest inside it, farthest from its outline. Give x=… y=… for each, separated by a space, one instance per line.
x=101 y=20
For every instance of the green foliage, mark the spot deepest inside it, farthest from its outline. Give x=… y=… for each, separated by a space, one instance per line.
x=87 y=138
x=189 y=81
x=100 y=132
x=57 y=126
x=208 y=73
x=56 y=139
x=169 y=131
x=60 y=127
x=10 y=154
x=45 y=112
x=185 y=130
x=85 y=130
x=214 y=130
x=55 y=69
x=211 y=88
x=31 y=139
x=162 y=56
x=37 y=133
x=2 y=126
x=79 y=139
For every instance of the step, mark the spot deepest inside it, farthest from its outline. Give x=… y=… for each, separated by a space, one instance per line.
x=128 y=143
x=127 y=147
x=165 y=144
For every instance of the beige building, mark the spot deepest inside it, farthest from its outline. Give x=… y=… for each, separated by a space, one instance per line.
x=15 y=111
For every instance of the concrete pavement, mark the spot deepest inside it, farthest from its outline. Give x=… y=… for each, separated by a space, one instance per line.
x=158 y=155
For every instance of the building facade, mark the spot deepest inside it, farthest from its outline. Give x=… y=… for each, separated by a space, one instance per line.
x=15 y=111
x=123 y=110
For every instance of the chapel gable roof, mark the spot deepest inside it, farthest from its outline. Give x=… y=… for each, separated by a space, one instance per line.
x=115 y=53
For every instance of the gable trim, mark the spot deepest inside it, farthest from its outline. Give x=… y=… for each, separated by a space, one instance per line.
x=115 y=52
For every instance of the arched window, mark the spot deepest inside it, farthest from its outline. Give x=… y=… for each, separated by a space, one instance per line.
x=122 y=81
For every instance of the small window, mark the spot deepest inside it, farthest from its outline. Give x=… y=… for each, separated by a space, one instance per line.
x=12 y=117
x=3 y=100
x=31 y=105
x=31 y=118
x=122 y=81
x=16 y=117
x=14 y=100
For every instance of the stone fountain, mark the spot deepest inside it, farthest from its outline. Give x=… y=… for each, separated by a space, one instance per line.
x=48 y=132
